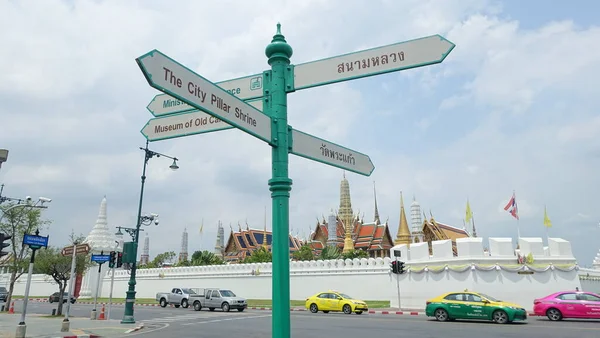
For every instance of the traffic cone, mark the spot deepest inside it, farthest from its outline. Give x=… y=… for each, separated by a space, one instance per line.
x=12 y=307
x=102 y=314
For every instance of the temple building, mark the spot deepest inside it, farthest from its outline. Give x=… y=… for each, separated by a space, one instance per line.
x=351 y=232
x=434 y=231
x=243 y=243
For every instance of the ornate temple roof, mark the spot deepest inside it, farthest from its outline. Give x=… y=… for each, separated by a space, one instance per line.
x=367 y=236
x=243 y=242
x=101 y=238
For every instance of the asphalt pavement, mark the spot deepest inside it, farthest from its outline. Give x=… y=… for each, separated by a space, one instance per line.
x=172 y=322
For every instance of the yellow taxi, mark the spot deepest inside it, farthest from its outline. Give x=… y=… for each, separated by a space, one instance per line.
x=335 y=301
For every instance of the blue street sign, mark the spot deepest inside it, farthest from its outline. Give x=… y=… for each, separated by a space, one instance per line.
x=35 y=242
x=100 y=258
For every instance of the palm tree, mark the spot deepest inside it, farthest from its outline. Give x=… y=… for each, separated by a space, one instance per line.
x=205 y=258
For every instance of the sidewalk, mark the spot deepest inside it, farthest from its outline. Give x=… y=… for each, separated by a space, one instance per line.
x=39 y=326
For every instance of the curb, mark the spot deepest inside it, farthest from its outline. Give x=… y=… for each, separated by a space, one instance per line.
x=82 y=336
x=137 y=328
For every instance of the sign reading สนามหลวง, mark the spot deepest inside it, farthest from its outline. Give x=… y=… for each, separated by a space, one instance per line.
x=186 y=123
x=178 y=81
x=35 y=241
x=403 y=55
x=245 y=88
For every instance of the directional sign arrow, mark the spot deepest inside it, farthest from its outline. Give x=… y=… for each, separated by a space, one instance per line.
x=169 y=76
x=244 y=88
x=185 y=124
x=404 y=55
x=80 y=249
x=316 y=149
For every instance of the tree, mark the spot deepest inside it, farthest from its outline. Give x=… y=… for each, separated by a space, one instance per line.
x=260 y=255
x=304 y=254
x=16 y=222
x=330 y=252
x=205 y=258
x=159 y=260
x=356 y=253
x=51 y=262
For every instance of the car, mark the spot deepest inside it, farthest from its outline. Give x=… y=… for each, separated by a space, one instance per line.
x=473 y=305
x=3 y=294
x=568 y=304
x=54 y=298
x=335 y=301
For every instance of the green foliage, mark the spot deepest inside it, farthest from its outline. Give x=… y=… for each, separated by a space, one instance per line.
x=304 y=254
x=15 y=222
x=159 y=260
x=330 y=252
x=260 y=255
x=356 y=253
x=205 y=257
x=529 y=259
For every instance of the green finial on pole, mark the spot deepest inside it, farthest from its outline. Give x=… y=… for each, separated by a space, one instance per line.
x=279 y=49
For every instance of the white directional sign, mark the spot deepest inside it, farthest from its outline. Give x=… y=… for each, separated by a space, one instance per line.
x=316 y=149
x=404 y=55
x=245 y=88
x=169 y=76
x=186 y=124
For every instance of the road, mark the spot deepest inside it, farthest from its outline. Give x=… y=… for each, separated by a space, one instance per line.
x=171 y=322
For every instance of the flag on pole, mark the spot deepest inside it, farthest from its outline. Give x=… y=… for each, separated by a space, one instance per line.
x=469 y=213
x=547 y=221
x=511 y=207
x=202 y=226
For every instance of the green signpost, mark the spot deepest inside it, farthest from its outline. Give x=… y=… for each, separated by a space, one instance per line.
x=188 y=94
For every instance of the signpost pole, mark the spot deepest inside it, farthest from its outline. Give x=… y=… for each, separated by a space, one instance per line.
x=112 y=283
x=275 y=81
x=22 y=327
x=65 y=324
x=93 y=317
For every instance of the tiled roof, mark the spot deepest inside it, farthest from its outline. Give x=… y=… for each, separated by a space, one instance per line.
x=369 y=236
x=242 y=243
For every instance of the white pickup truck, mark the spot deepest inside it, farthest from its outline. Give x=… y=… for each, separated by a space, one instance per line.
x=178 y=297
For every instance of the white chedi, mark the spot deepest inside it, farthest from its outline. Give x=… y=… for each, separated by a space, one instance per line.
x=101 y=238
x=596 y=263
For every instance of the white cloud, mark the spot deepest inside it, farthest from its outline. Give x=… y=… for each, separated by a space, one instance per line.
x=508 y=109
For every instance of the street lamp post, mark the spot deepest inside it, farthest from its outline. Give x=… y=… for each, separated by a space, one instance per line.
x=130 y=299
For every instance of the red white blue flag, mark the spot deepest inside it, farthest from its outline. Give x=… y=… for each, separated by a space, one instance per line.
x=511 y=207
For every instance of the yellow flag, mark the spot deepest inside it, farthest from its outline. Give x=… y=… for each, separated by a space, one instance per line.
x=202 y=226
x=469 y=213
x=547 y=222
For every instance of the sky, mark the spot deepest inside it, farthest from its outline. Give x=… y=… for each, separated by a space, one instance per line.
x=514 y=107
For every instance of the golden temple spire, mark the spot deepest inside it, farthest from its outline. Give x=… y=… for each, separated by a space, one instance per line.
x=377 y=220
x=403 y=236
x=345 y=213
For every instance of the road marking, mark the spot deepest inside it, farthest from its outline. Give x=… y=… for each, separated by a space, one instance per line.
x=147 y=331
x=227 y=319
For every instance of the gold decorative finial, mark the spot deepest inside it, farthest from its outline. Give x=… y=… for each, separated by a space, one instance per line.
x=403 y=236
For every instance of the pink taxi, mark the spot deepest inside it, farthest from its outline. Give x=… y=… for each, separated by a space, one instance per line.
x=568 y=304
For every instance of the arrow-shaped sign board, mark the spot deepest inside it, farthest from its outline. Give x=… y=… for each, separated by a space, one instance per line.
x=245 y=88
x=185 y=124
x=404 y=55
x=169 y=76
x=316 y=149
x=81 y=249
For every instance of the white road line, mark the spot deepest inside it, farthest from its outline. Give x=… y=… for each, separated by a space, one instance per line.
x=226 y=319
x=146 y=331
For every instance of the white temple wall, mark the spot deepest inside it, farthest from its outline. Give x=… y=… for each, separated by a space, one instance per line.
x=371 y=279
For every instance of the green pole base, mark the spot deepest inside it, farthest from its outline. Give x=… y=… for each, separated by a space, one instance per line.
x=128 y=320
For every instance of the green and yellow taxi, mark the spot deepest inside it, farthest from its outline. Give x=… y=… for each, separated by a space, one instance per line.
x=473 y=305
x=336 y=302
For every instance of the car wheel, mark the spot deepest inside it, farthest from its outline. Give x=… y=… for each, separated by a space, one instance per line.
x=441 y=315
x=225 y=307
x=554 y=314
x=197 y=306
x=347 y=309
x=314 y=308
x=185 y=304
x=500 y=317
x=359 y=312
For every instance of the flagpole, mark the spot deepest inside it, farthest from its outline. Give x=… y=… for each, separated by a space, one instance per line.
x=518 y=220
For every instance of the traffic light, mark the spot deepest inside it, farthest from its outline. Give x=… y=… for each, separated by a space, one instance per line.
x=111 y=261
x=395 y=266
x=400 y=267
x=4 y=237
x=119 y=259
